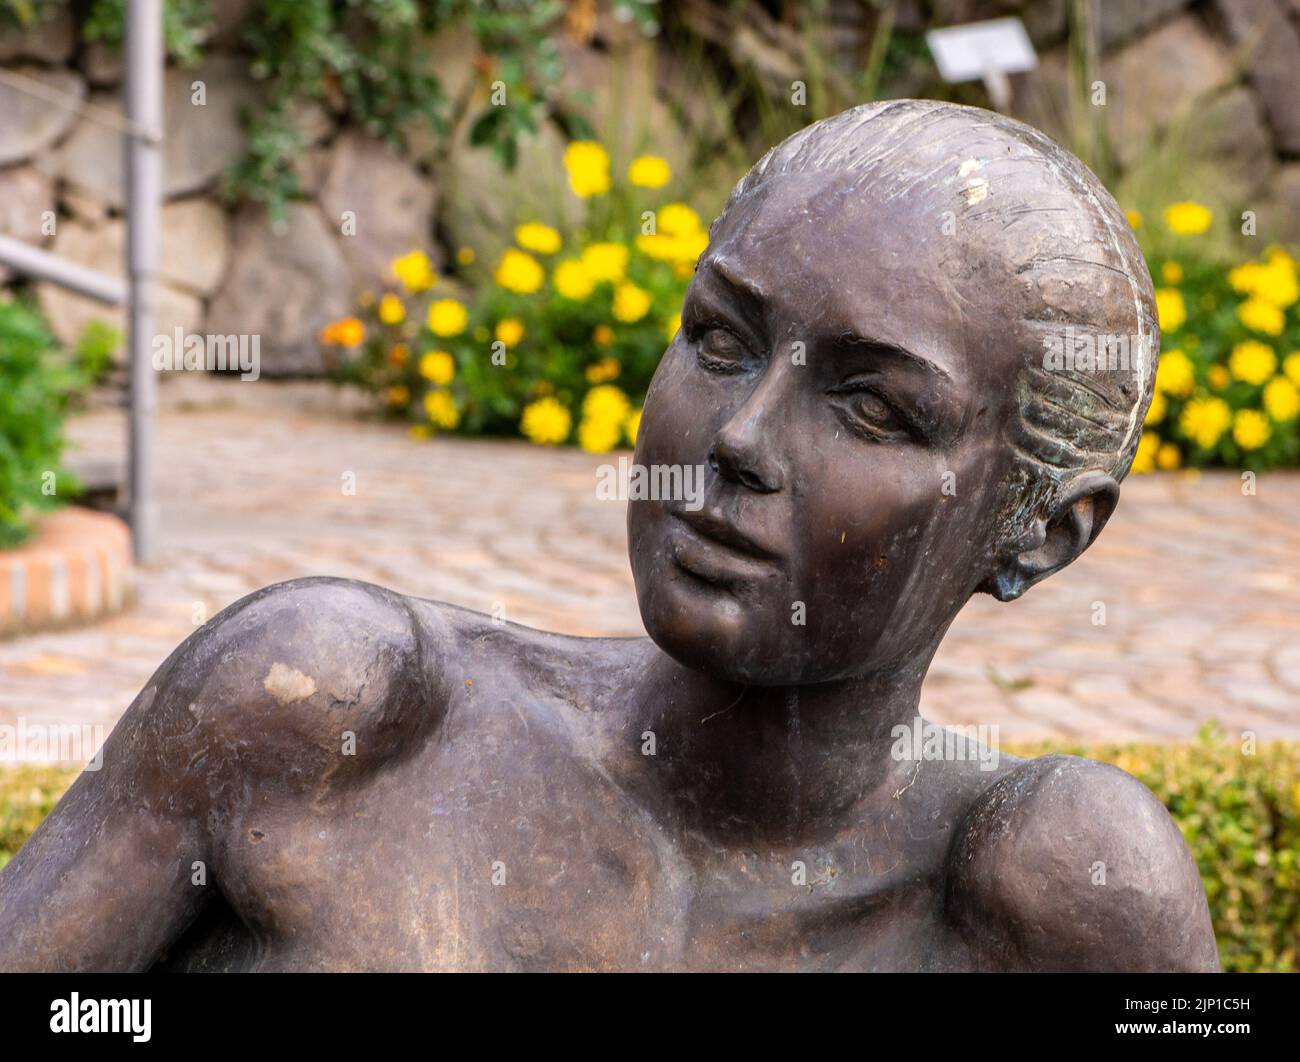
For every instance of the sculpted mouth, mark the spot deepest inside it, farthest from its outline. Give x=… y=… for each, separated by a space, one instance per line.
x=711 y=550
x=712 y=526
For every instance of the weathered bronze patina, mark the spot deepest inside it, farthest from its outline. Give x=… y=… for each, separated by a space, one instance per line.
x=870 y=371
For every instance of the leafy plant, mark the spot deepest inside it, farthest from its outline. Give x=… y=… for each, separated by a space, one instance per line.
x=27 y=794
x=366 y=60
x=36 y=383
x=186 y=24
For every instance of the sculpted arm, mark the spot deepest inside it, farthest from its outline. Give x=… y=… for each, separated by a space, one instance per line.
x=253 y=706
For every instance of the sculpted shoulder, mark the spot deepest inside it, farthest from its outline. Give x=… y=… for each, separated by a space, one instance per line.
x=300 y=681
x=1071 y=864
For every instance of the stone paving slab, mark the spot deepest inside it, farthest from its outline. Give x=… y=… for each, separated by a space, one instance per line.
x=1201 y=584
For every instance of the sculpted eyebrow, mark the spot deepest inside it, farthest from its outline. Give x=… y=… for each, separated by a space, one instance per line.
x=718 y=273
x=849 y=339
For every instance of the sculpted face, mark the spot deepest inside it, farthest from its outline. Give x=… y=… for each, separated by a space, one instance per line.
x=848 y=403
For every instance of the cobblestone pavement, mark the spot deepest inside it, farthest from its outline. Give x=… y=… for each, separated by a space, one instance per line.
x=1201 y=585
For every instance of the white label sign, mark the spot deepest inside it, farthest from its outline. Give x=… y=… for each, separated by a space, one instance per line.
x=979 y=49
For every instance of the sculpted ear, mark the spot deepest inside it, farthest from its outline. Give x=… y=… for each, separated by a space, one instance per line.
x=1056 y=538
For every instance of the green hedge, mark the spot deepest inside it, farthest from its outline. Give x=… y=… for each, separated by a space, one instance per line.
x=27 y=795
x=1239 y=813
x=38 y=382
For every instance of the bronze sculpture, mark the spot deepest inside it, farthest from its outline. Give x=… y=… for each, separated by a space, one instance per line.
x=329 y=775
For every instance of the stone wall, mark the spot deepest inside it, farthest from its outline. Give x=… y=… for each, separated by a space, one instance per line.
x=225 y=269
x=1223 y=76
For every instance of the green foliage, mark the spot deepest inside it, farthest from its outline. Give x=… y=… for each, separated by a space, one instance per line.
x=1239 y=813
x=27 y=795
x=26 y=14
x=186 y=24
x=365 y=59
x=36 y=382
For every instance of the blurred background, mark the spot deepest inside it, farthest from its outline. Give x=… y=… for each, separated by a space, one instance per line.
x=458 y=234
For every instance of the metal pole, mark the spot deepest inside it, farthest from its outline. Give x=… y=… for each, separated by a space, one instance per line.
x=144 y=68
x=41 y=265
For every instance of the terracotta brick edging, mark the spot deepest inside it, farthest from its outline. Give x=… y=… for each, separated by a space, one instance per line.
x=74 y=568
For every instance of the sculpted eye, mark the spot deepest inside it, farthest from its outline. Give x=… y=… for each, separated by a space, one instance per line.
x=720 y=350
x=868 y=413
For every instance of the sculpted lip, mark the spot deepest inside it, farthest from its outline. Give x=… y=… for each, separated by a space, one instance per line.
x=713 y=550
x=713 y=526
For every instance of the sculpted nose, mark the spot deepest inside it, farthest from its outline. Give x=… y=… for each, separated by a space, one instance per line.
x=741 y=454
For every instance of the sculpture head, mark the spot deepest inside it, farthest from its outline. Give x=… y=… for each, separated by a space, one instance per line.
x=870 y=369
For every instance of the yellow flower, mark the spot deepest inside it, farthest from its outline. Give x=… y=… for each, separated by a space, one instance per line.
x=631 y=426
x=605 y=404
x=1261 y=316
x=510 y=331
x=519 y=272
x=1172 y=273
x=1274 y=281
x=681 y=250
x=415 y=271
x=1281 y=399
x=391 y=310
x=1218 y=377
x=398 y=395
x=465 y=255
x=588 y=168
x=347 y=332
x=1251 y=429
x=399 y=353
x=649 y=171
x=1144 y=459
x=1292 y=367
x=605 y=261
x=1134 y=219
x=1244 y=277
x=1168 y=457
x=673 y=326
x=602 y=335
x=676 y=219
x=1252 y=361
x=447 y=317
x=441 y=409
x=572 y=280
x=546 y=422
x=1174 y=374
x=602 y=371
x=537 y=237
x=1159 y=406
x=1204 y=420
x=1170 y=309
x=1187 y=218
x=599 y=436
x=438 y=367
x=630 y=303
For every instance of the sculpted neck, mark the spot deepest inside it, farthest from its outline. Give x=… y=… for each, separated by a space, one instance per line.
x=772 y=762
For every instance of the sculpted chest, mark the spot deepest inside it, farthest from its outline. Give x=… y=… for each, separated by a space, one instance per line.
x=535 y=861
